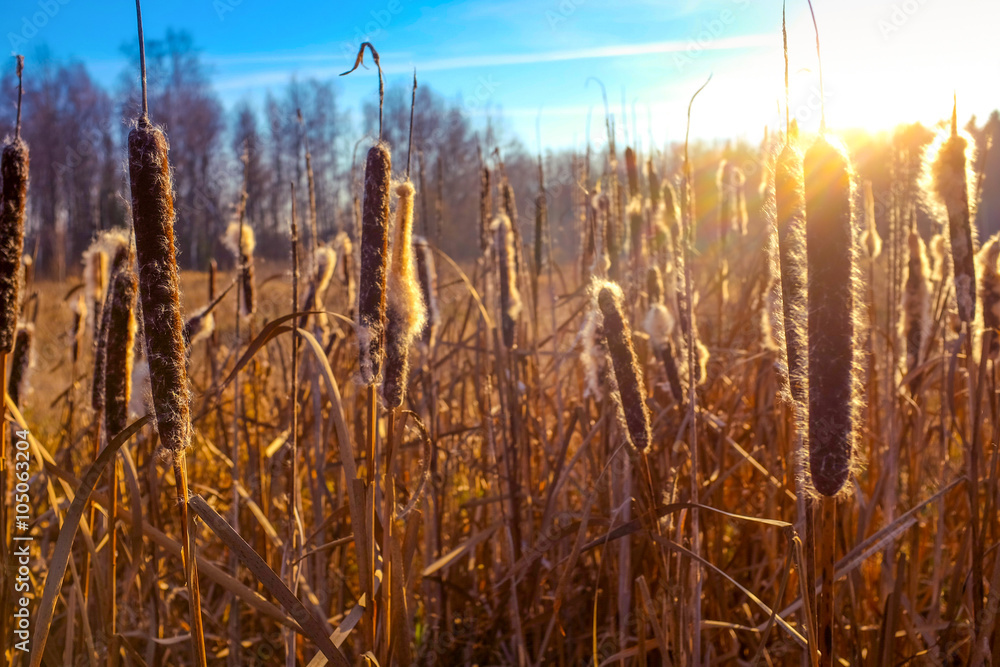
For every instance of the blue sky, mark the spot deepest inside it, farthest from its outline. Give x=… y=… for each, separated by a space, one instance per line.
x=884 y=61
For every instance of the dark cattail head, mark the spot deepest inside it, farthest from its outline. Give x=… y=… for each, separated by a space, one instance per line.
x=14 y=170
x=97 y=392
x=833 y=372
x=427 y=275
x=510 y=296
x=22 y=359
x=120 y=347
x=241 y=242
x=654 y=185
x=989 y=290
x=374 y=258
x=629 y=388
x=406 y=313
x=948 y=188
x=153 y=225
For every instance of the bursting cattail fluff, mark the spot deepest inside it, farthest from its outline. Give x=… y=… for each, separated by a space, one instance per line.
x=629 y=390
x=510 y=297
x=153 y=224
x=916 y=315
x=989 y=290
x=22 y=360
x=241 y=242
x=406 y=313
x=374 y=257
x=833 y=375
x=198 y=328
x=14 y=171
x=948 y=189
x=427 y=275
x=120 y=347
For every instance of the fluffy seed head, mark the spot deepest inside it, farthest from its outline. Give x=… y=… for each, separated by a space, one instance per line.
x=241 y=242
x=916 y=311
x=120 y=346
x=14 y=170
x=630 y=390
x=374 y=258
x=790 y=221
x=153 y=224
x=427 y=275
x=989 y=289
x=406 y=313
x=948 y=190
x=510 y=297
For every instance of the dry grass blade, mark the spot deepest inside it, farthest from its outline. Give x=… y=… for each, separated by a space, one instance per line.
x=271 y=581
x=64 y=544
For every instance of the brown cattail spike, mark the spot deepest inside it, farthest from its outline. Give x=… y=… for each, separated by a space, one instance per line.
x=405 y=312
x=374 y=257
x=14 y=170
x=832 y=374
x=631 y=392
x=790 y=218
x=510 y=297
x=153 y=223
x=989 y=289
x=427 y=275
x=949 y=191
x=120 y=345
x=241 y=242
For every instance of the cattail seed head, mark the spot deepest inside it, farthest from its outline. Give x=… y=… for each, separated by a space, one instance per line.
x=948 y=189
x=916 y=311
x=120 y=346
x=406 y=313
x=198 y=328
x=510 y=297
x=374 y=257
x=345 y=260
x=989 y=290
x=97 y=390
x=790 y=220
x=630 y=391
x=153 y=225
x=427 y=275
x=637 y=232
x=14 y=170
x=241 y=242
x=22 y=360
x=659 y=325
x=833 y=376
